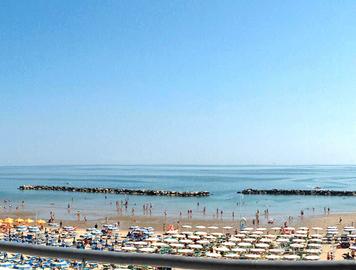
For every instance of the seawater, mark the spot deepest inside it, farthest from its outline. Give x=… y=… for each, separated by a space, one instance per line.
x=222 y=181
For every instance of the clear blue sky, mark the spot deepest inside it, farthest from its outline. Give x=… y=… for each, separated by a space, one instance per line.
x=203 y=82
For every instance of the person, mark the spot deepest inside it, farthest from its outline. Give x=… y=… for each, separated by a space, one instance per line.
x=340 y=220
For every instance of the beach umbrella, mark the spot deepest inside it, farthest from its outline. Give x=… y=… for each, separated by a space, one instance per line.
x=203 y=242
x=261 y=229
x=316 y=240
x=185 y=251
x=222 y=249
x=160 y=244
x=28 y=220
x=317 y=228
x=147 y=249
x=297 y=240
x=186 y=226
x=303 y=228
x=152 y=239
x=257 y=250
x=200 y=227
x=194 y=237
x=249 y=239
x=201 y=233
x=265 y=240
x=128 y=248
x=315 y=235
x=248 y=229
x=313 y=251
x=210 y=237
x=178 y=236
x=212 y=254
x=244 y=244
x=227 y=227
x=276 y=250
x=262 y=245
x=19 y=220
x=140 y=243
x=186 y=232
x=311 y=258
x=195 y=246
x=23 y=266
x=217 y=234
x=213 y=227
x=240 y=235
x=8 y=220
x=41 y=221
x=291 y=257
x=353 y=247
x=273 y=257
x=177 y=245
x=231 y=255
x=234 y=239
x=296 y=245
x=229 y=244
x=186 y=241
x=252 y=256
x=314 y=245
x=275 y=228
x=170 y=240
x=238 y=249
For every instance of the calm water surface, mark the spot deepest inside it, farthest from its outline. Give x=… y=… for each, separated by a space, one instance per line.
x=222 y=181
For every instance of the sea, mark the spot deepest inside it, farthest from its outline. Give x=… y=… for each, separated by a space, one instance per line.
x=223 y=182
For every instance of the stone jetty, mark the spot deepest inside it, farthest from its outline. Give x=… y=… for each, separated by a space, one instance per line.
x=310 y=192
x=125 y=191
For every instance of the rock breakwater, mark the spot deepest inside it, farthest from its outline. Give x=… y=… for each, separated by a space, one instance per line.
x=309 y=192
x=125 y=191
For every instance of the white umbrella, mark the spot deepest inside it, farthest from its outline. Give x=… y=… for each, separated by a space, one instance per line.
x=298 y=240
x=213 y=255
x=201 y=233
x=312 y=258
x=147 y=249
x=265 y=240
x=237 y=249
x=229 y=244
x=276 y=250
x=227 y=227
x=222 y=249
x=187 y=232
x=252 y=256
x=177 y=245
x=234 y=239
x=128 y=248
x=186 y=226
x=244 y=244
x=232 y=255
x=313 y=251
x=185 y=251
x=262 y=245
x=195 y=246
x=217 y=234
x=186 y=241
x=261 y=229
x=195 y=237
x=273 y=257
x=170 y=240
x=314 y=245
x=297 y=245
x=200 y=227
x=257 y=250
x=159 y=244
x=203 y=242
x=291 y=257
x=213 y=227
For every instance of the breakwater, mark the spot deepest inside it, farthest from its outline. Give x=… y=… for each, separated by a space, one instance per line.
x=125 y=191
x=308 y=192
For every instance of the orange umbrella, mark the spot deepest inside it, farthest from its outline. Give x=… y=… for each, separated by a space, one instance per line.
x=41 y=221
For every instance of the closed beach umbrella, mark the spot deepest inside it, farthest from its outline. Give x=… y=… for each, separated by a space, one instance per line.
x=273 y=257
x=312 y=258
x=213 y=255
x=185 y=251
x=222 y=249
x=147 y=249
x=231 y=255
x=291 y=257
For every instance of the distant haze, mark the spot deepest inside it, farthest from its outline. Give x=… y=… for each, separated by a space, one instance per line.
x=177 y=82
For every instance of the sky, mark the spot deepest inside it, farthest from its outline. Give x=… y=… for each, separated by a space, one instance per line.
x=177 y=82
